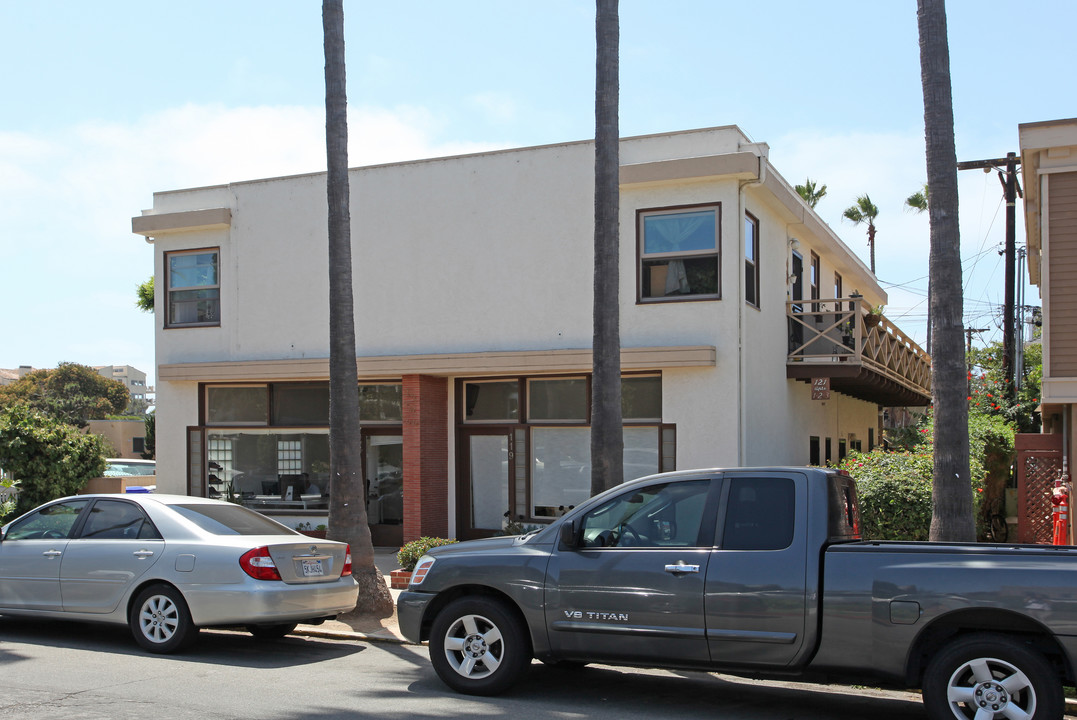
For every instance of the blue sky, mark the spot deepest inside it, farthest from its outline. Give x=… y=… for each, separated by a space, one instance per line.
x=105 y=103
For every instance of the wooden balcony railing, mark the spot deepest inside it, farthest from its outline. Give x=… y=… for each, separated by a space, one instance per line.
x=864 y=354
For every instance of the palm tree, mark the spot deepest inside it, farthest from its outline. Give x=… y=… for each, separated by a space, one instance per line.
x=864 y=211
x=951 y=498
x=811 y=195
x=918 y=200
x=607 y=432
x=347 y=509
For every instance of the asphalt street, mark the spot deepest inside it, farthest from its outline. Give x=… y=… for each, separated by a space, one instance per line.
x=76 y=671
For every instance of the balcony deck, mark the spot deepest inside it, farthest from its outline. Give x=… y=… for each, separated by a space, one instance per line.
x=873 y=361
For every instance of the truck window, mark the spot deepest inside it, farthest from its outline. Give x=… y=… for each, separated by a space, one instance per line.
x=760 y=514
x=657 y=516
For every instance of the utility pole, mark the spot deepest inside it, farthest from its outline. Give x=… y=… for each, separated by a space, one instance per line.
x=1011 y=190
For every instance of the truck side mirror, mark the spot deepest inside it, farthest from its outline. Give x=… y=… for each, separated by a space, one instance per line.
x=570 y=531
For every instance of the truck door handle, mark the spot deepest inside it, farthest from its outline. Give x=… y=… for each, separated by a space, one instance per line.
x=52 y=553
x=143 y=554
x=680 y=568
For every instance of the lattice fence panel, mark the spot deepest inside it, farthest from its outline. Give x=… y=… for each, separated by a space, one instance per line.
x=1039 y=476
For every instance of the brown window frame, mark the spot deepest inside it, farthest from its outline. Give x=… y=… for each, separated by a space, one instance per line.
x=169 y=322
x=751 y=267
x=641 y=257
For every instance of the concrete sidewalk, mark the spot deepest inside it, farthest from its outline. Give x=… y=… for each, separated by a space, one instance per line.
x=364 y=627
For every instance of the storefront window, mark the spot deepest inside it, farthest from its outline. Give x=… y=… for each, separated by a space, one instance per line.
x=558 y=399
x=561 y=465
x=301 y=404
x=267 y=469
x=641 y=397
x=381 y=403
x=228 y=405
x=492 y=401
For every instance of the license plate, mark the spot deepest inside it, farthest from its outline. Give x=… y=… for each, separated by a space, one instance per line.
x=313 y=568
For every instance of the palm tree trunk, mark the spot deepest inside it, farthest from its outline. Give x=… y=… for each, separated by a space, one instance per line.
x=347 y=510
x=951 y=515
x=607 y=434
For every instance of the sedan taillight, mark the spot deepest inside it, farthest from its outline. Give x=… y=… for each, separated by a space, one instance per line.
x=347 y=569
x=259 y=565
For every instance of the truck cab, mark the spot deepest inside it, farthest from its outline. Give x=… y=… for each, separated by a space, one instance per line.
x=695 y=569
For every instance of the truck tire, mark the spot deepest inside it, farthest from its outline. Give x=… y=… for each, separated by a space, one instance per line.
x=991 y=676
x=478 y=646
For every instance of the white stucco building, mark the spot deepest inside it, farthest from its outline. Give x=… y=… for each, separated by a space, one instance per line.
x=473 y=290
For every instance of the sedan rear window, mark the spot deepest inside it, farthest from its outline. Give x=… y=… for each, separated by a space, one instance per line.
x=229 y=519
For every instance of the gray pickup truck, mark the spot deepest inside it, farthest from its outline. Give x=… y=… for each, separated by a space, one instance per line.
x=758 y=572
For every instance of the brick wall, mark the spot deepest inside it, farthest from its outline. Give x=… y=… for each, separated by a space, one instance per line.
x=426 y=457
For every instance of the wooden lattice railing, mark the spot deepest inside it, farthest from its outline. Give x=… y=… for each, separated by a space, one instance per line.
x=842 y=331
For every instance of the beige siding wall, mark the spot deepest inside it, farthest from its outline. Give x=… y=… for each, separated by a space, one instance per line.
x=1062 y=259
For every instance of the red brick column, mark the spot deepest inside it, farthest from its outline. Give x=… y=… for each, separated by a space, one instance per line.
x=426 y=457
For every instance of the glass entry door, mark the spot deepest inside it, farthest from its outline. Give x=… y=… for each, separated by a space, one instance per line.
x=489 y=465
x=383 y=471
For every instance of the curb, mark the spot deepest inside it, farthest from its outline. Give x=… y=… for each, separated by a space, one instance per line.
x=339 y=635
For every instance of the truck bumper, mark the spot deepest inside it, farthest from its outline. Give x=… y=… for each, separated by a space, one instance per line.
x=410 y=609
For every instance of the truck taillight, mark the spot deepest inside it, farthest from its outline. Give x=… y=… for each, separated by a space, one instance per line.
x=259 y=565
x=347 y=569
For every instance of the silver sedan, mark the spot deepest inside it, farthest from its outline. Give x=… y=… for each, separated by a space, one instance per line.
x=167 y=565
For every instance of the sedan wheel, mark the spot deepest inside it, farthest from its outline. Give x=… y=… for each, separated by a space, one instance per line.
x=990 y=676
x=160 y=620
x=478 y=646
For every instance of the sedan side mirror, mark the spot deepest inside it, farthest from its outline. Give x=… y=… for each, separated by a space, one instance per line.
x=570 y=531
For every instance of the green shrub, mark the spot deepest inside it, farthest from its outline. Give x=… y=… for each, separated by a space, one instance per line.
x=408 y=555
x=895 y=494
x=894 y=489
x=49 y=458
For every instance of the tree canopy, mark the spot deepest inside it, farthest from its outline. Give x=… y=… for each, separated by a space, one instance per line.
x=145 y=296
x=988 y=386
x=72 y=393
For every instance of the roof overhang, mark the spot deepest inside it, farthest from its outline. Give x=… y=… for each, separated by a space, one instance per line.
x=155 y=225
x=521 y=362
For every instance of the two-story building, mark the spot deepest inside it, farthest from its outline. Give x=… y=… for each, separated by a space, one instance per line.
x=1049 y=173
x=744 y=330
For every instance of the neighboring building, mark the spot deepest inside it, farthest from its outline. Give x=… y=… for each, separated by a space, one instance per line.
x=9 y=376
x=473 y=289
x=132 y=378
x=1049 y=172
x=126 y=435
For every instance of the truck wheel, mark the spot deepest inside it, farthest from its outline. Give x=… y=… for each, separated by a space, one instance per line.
x=991 y=676
x=478 y=647
x=160 y=620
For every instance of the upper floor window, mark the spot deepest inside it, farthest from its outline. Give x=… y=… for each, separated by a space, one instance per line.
x=679 y=253
x=815 y=280
x=194 y=288
x=751 y=260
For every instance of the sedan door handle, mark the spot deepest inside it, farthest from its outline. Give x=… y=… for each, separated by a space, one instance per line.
x=143 y=554
x=681 y=568
x=53 y=553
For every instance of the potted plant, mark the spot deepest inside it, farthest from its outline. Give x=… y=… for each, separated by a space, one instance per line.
x=874 y=316
x=409 y=555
